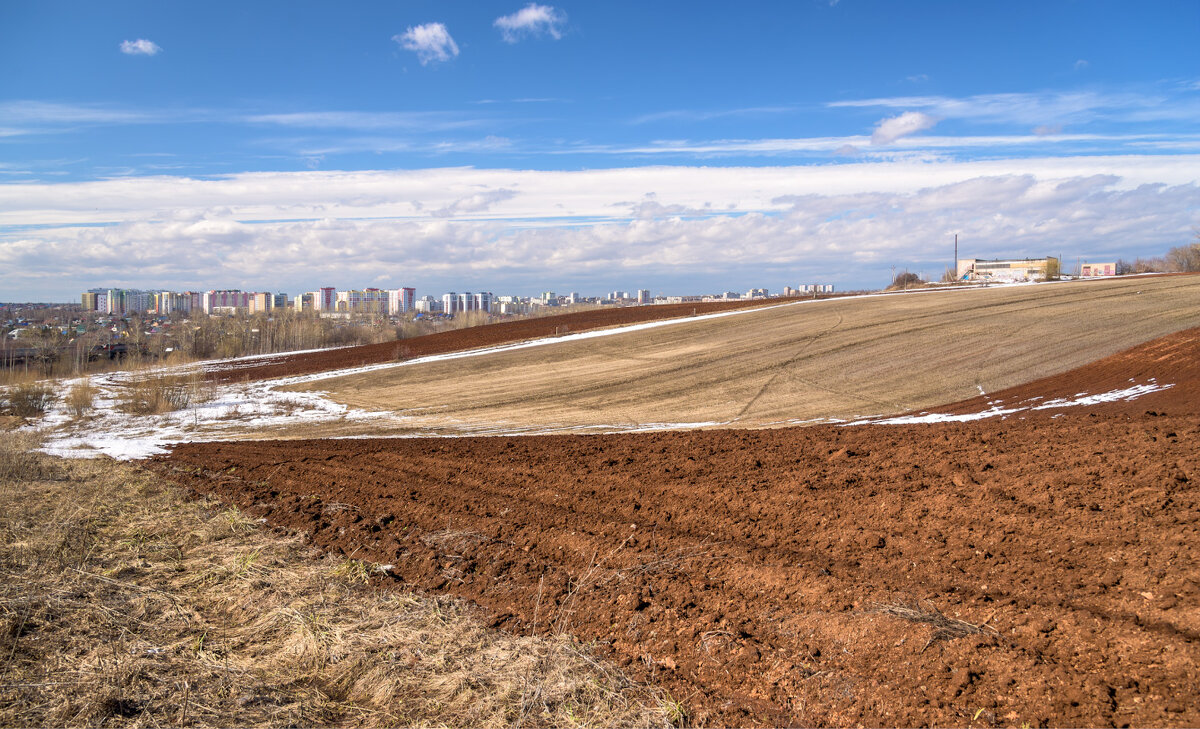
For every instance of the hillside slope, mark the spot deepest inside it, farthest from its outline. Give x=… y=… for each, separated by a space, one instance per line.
x=843 y=358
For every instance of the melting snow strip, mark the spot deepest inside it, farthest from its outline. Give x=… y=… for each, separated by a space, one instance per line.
x=1082 y=398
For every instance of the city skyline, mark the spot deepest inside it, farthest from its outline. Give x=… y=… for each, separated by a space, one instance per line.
x=573 y=146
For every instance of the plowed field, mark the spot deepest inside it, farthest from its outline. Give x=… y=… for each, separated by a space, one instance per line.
x=1037 y=569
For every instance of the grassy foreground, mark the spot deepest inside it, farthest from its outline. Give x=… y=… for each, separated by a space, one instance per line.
x=122 y=603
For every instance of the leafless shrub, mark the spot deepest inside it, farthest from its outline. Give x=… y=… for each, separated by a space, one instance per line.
x=80 y=398
x=28 y=399
x=157 y=394
x=944 y=628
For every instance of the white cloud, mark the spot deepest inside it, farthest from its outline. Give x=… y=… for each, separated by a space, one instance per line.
x=1042 y=108
x=346 y=227
x=423 y=120
x=692 y=115
x=910 y=122
x=1081 y=64
x=44 y=112
x=477 y=203
x=531 y=20
x=139 y=47
x=431 y=42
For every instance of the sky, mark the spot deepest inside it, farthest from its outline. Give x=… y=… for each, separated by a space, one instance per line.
x=683 y=147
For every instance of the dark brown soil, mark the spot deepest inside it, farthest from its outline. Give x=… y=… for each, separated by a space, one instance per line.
x=808 y=575
x=457 y=340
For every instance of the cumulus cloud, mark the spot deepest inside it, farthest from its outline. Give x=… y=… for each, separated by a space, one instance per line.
x=139 y=47
x=431 y=42
x=893 y=128
x=531 y=20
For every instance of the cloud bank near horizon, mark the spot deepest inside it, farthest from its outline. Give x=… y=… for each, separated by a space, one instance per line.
x=521 y=230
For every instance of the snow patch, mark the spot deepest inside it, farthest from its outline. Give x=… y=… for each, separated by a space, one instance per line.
x=996 y=408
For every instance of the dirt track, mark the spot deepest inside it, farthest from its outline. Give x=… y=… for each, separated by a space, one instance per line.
x=746 y=570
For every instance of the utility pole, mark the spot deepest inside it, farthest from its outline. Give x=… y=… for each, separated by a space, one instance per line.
x=893 y=274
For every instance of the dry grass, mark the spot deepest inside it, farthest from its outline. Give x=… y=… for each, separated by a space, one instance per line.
x=80 y=398
x=154 y=394
x=19 y=462
x=27 y=398
x=840 y=358
x=123 y=604
x=944 y=628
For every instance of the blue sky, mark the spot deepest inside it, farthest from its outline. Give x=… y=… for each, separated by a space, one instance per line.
x=518 y=147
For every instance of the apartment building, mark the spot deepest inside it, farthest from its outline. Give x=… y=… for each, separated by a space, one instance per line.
x=401 y=300
x=363 y=301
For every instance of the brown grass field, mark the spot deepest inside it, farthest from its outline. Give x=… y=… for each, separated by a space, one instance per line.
x=841 y=358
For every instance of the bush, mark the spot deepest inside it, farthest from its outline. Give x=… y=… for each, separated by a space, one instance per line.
x=81 y=398
x=906 y=280
x=28 y=399
x=159 y=394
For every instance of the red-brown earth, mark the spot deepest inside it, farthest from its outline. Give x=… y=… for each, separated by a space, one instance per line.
x=457 y=340
x=763 y=577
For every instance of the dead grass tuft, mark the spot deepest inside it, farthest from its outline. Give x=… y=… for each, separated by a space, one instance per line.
x=123 y=604
x=944 y=628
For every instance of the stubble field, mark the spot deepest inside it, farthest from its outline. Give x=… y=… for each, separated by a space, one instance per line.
x=840 y=358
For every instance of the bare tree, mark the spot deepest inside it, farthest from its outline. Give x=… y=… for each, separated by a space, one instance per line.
x=1185 y=258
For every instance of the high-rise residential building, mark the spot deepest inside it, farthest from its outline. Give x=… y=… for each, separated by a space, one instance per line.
x=450 y=303
x=259 y=302
x=169 y=302
x=225 y=301
x=427 y=305
x=279 y=301
x=401 y=300
x=363 y=301
x=326 y=299
x=643 y=296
